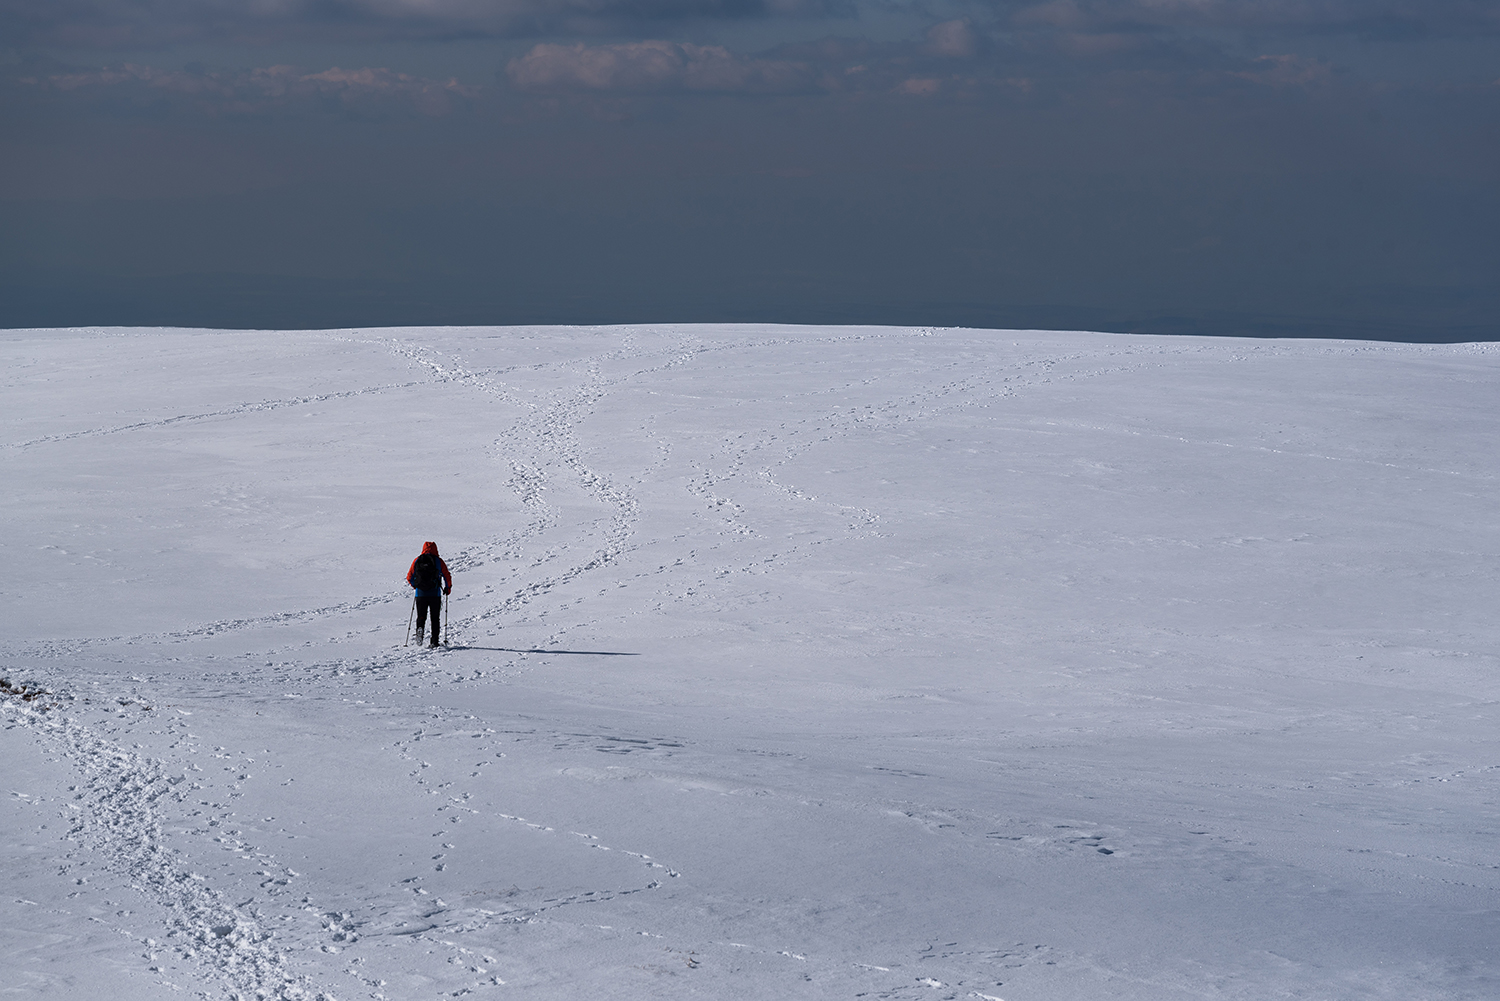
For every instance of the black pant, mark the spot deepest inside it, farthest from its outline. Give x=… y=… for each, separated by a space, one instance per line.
x=423 y=604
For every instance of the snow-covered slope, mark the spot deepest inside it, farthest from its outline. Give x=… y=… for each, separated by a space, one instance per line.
x=787 y=663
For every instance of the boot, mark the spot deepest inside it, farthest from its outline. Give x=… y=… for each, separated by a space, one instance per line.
x=434 y=639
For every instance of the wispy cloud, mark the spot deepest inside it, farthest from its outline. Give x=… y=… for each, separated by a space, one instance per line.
x=653 y=67
x=953 y=39
x=942 y=62
x=259 y=90
x=1378 y=18
x=1287 y=71
x=953 y=59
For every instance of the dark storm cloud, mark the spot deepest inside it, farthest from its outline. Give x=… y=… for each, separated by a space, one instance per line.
x=109 y=24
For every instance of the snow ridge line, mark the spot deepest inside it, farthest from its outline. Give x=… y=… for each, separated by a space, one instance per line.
x=118 y=822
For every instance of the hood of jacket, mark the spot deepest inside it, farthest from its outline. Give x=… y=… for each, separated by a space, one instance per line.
x=428 y=547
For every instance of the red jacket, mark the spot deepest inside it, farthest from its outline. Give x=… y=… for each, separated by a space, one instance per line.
x=430 y=547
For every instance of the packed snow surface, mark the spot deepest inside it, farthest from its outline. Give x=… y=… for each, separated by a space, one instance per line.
x=786 y=662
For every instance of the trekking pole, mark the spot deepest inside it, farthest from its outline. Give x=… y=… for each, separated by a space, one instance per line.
x=447 y=607
x=409 y=619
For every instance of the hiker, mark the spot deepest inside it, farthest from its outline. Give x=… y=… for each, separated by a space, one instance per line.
x=429 y=575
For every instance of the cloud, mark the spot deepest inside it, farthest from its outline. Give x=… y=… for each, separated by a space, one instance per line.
x=653 y=67
x=264 y=89
x=919 y=86
x=134 y=23
x=1287 y=71
x=922 y=68
x=1390 y=19
x=1184 y=43
x=953 y=39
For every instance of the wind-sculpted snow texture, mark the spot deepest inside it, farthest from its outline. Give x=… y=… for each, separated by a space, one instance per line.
x=786 y=663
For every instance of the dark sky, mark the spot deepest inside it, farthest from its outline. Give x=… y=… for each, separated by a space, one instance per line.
x=1317 y=168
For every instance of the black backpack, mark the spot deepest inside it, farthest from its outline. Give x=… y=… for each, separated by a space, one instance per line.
x=425 y=574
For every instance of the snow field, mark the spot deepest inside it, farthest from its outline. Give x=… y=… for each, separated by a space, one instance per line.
x=788 y=662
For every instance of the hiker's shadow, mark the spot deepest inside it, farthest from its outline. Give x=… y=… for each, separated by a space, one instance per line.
x=570 y=653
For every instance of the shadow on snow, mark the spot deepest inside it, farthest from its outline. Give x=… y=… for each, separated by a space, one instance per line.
x=574 y=653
